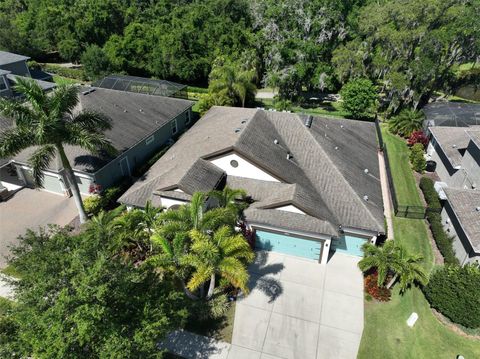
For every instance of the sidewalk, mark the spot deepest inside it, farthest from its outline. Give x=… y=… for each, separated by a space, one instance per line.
x=6 y=290
x=387 y=200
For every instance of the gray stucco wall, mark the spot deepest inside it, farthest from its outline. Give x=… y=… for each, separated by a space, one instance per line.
x=471 y=165
x=139 y=154
x=5 y=90
x=17 y=68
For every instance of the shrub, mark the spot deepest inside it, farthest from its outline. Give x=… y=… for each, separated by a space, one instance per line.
x=95 y=62
x=93 y=204
x=359 y=97
x=418 y=137
x=65 y=71
x=417 y=159
x=454 y=291
x=431 y=196
x=444 y=242
x=371 y=287
x=282 y=104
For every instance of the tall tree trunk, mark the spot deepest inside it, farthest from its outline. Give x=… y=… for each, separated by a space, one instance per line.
x=187 y=292
x=392 y=281
x=72 y=183
x=211 y=287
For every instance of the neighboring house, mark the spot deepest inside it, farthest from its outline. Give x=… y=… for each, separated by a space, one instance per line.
x=461 y=219
x=314 y=182
x=141 y=124
x=456 y=151
x=13 y=66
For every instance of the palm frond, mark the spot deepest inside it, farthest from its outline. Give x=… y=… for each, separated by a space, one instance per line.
x=162 y=243
x=32 y=92
x=93 y=121
x=199 y=277
x=235 y=272
x=63 y=99
x=39 y=162
x=18 y=112
x=94 y=142
x=14 y=140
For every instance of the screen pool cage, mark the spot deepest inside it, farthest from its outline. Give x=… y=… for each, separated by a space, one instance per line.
x=143 y=85
x=451 y=114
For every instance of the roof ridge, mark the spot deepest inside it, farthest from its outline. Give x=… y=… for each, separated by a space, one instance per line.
x=335 y=167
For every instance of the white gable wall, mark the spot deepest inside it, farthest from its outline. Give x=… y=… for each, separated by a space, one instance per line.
x=244 y=169
x=169 y=202
x=290 y=208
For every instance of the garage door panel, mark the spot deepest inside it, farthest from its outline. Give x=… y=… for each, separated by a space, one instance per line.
x=288 y=244
x=350 y=245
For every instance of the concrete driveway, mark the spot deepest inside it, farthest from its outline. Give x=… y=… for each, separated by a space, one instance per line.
x=30 y=208
x=300 y=309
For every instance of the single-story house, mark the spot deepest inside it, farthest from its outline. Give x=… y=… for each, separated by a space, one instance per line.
x=141 y=125
x=314 y=182
x=461 y=219
x=456 y=152
x=14 y=66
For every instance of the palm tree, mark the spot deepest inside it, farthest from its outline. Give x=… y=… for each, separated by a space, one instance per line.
x=171 y=257
x=193 y=216
x=232 y=80
x=223 y=254
x=230 y=198
x=408 y=269
x=406 y=122
x=382 y=258
x=49 y=123
x=396 y=260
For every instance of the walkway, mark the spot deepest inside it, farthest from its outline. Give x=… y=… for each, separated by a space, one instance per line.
x=386 y=194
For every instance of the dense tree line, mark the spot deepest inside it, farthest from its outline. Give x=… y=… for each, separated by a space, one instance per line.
x=408 y=48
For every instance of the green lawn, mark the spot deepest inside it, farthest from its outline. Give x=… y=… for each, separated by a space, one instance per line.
x=327 y=108
x=386 y=334
x=403 y=179
x=60 y=80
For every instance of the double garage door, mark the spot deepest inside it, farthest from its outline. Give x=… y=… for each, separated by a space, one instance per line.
x=288 y=244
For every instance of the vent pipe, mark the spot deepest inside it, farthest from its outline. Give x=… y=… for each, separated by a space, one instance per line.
x=308 y=121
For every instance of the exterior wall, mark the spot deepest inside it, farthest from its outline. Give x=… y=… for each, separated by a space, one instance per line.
x=17 y=68
x=169 y=202
x=290 y=208
x=444 y=170
x=83 y=182
x=112 y=173
x=244 y=168
x=471 y=166
x=462 y=247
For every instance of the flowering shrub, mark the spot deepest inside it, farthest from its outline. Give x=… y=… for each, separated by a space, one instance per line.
x=94 y=188
x=418 y=137
x=248 y=233
x=379 y=293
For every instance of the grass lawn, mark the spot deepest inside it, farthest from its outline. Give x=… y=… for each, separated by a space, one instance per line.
x=60 y=80
x=403 y=179
x=386 y=334
x=327 y=108
x=10 y=271
x=221 y=329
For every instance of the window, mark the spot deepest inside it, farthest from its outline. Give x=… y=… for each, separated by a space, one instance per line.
x=173 y=126
x=188 y=119
x=234 y=163
x=3 y=85
x=149 y=140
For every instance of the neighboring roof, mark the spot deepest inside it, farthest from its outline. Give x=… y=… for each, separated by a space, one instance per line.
x=9 y=57
x=45 y=85
x=466 y=205
x=451 y=140
x=326 y=177
x=134 y=118
x=453 y=114
x=40 y=75
x=4 y=72
x=143 y=85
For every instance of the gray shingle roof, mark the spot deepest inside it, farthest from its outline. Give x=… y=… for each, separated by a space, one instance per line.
x=452 y=140
x=202 y=176
x=475 y=136
x=464 y=203
x=325 y=178
x=129 y=124
x=45 y=85
x=9 y=57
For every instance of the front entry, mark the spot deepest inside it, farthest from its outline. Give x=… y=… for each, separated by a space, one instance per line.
x=288 y=244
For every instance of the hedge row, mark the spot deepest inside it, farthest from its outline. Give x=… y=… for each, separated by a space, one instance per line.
x=431 y=196
x=454 y=292
x=77 y=74
x=443 y=240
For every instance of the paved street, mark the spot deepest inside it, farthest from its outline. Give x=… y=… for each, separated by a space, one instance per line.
x=300 y=309
x=30 y=208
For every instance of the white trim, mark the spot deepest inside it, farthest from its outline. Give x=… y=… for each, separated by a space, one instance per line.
x=314 y=236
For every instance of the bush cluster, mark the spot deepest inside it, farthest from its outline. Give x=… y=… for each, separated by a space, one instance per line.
x=431 y=196
x=77 y=74
x=417 y=159
x=418 y=137
x=96 y=202
x=453 y=291
x=371 y=287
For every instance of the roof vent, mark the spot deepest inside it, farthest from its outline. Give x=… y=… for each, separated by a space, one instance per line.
x=141 y=110
x=336 y=147
x=366 y=171
x=289 y=156
x=454 y=146
x=342 y=126
x=365 y=198
x=244 y=121
x=308 y=121
x=275 y=141
x=237 y=130
x=125 y=110
x=477 y=209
